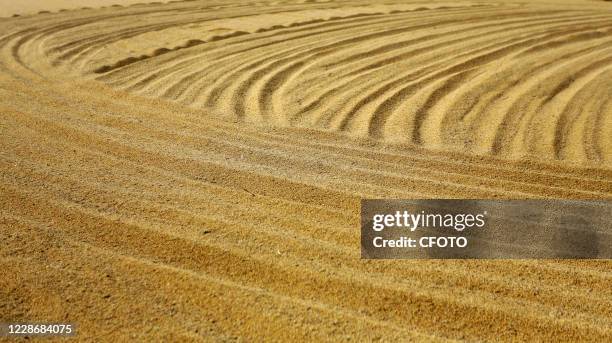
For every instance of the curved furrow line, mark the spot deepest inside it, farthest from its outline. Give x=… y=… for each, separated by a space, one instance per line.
x=600 y=131
x=449 y=275
x=459 y=283
x=553 y=102
x=337 y=43
x=283 y=41
x=491 y=84
x=378 y=93
x=207 y=275
x=594 y=124
x=533 y=175
x=444 y=176
x=5 y=45
x=491 y=21
x=115 y=36
x=101 y=30
x=276 y=83
x=227 y=81
x=189 y=80
x=581 y=37
x=253 y=269
x=171 y=143
x=40 y=33
x=298 y=233
x=120 y=34
x=389 y=103
x=240 y=94
x=149 y=134
x=452 y=40
x=466 y=112
x=509 y=125
x=220 y=195
x=560 y=87
x=385 y=109
x=574 y=107
x=357 y=319
x=220 y=61
x=383 y=178
x=259 y=36
x=521 y=25
x=244 y=85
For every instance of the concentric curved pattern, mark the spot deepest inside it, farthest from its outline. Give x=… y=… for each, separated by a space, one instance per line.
x=503 y=80
x=194 y=169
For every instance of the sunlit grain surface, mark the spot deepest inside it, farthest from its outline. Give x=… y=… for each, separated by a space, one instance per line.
x=193 y=170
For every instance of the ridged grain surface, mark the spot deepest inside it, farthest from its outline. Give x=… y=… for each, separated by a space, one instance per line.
x=193 y=170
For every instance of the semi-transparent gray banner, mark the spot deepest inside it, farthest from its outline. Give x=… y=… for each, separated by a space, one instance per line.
x=517 y=229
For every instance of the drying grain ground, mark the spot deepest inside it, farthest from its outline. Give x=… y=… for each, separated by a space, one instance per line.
x=193 y=170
